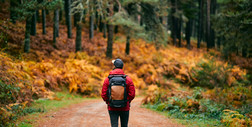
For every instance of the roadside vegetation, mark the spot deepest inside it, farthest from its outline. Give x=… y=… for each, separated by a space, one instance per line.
x=219 y=95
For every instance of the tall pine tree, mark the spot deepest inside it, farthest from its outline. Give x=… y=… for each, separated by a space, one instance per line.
x=68 y=18
x=78 y=32
x=55 y=27
x=44 y=21
x=110 y=33
x=200 y=22
x=27 y=35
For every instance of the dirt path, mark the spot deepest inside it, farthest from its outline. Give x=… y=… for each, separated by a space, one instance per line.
x=93 y=113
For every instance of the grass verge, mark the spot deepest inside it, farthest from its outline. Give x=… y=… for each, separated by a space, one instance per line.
x=63 y=99
x=193 y=122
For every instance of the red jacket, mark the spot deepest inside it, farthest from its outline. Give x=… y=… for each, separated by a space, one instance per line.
x=129 y=88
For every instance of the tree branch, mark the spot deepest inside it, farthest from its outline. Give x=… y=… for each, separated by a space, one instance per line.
x=119 y=4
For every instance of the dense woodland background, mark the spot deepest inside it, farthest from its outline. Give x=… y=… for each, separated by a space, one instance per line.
x=189 y=58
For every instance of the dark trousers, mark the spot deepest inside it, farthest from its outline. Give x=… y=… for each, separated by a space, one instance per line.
x=124 y=117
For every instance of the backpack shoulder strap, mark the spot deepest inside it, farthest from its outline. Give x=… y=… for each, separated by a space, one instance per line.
x=110 y=76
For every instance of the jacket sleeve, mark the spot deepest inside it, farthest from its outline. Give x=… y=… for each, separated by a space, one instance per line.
x=130 y=89
x=104 y=90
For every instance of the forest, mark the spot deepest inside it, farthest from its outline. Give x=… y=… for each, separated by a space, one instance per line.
x=190 y=60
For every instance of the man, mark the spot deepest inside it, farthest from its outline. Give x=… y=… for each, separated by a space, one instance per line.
x=123 y=111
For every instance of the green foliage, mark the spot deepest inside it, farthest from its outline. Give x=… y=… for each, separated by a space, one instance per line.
x=213 y=74
x=237 y=97
x=154 y=29
x=9 y=109
x=11 y=113
x=3 y=40
x=234 y=118
x=77 y=8
x=30 y=110
x=130 y=26
x=232 y=24
x=179 y=108
x=211 y=109
x=27 y=7
x=8 y=93
x=90 y=7
x=197 y=93
x=19 y=110
x=245 y=109
x=53 y=5
x=196 y=107
x=161 y=107
x=210 y=75
x=187 y=10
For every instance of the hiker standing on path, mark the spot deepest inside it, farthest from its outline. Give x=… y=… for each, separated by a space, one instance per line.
x=118 y=91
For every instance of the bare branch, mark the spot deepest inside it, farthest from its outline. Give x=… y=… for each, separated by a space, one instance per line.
x=119 y=4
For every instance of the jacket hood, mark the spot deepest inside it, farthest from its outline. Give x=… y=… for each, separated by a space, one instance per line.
x=116 y=72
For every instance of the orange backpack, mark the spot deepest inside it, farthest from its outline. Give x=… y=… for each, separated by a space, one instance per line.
x=117 y=93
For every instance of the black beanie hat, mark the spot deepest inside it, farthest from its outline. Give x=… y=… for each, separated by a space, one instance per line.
x=118 y=63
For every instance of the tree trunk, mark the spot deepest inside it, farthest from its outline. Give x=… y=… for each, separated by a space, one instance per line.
x=91 y=26
x=104 y=30
x=194 y=29
x=127 y=50
x=174 y=22
x=38 y=16
x=13 y=14
x=208 y=25
x=212 y=32
x=204 y=22
x=57 y=23
x=47 y=12
x=116 y=29
x=68 y=18
x=75 y=19
x=60 y=15
x=84 y=17
x=141 y=21
x=100 y=24
x=200 y=22
x=188 y=33
x=169 y=22
x=110 y=41
x=250 y=56
x=218 y=42
x=78 y=34
x=55 y=26
x=44 y=21
x=96 y=21
x=110 y=35
x=244 y=50
x=161 y=19
x=179 y=31
x=33 y=24
x=27 y=35
x=212 y=38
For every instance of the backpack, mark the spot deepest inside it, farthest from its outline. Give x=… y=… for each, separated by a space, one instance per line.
x=117 y=93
